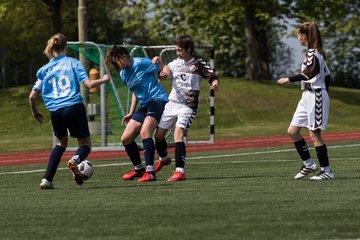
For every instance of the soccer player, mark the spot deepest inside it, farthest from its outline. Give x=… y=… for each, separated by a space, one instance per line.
x=186 y=72
x=59 y=81
x=139 y=75
x=312 y=111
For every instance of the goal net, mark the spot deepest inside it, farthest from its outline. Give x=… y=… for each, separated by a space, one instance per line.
x=107 y=104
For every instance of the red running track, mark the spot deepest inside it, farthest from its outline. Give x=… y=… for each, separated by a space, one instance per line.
x=21 y=158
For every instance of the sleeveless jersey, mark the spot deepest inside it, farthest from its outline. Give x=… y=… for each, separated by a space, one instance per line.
x=59 y=81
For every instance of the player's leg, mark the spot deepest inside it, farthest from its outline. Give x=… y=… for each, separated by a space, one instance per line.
x=318 y=115
x=161 y=149
x=153 y=115
x=299 y=121
x=131 y=131
x=58 y=150
x=76 y=121
x=180 y=155
x=326 y=172
x=184 y=121
x=167 y=121
x=309 y=165
x=78 y=126
x=83 y=150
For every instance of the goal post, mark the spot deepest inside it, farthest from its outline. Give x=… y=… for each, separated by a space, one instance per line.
x=114 y=98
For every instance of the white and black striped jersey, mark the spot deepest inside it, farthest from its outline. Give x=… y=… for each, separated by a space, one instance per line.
x=186 y=78
x=314 y=70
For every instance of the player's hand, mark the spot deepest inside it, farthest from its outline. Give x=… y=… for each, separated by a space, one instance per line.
x=126 y=118
x=106 y=78
x=155 y=60
x=38 y=116
x=163 y=74
x=282 y=80
x=215 y=85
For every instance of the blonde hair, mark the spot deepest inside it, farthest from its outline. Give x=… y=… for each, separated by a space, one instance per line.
x=56 y=43
x=313 y=36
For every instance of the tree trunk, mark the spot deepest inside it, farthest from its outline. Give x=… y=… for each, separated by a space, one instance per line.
x=3 y=64
x=252 y=70
x=263 y=50
x=55 y=9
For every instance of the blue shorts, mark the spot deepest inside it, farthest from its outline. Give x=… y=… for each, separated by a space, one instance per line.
x=71 y=118
x=154 y=109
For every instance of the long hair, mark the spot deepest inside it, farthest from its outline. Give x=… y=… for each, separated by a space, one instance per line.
x=114 y=56
x=313 y=36
x=56 y=43
x=186 y=43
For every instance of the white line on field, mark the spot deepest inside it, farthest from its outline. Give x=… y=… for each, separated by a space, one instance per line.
x=208 y=157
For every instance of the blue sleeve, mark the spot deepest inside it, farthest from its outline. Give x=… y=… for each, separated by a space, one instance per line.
x=149 y=67
x=39 y=82
x=80 y=72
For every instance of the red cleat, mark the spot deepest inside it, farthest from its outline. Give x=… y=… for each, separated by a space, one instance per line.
x=147 y=177
x=177 y=176
x=160 y=164
x=78 y=177
x=133 y=174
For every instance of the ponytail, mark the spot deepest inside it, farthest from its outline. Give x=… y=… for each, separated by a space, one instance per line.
x=312 y=32
x=57 y=43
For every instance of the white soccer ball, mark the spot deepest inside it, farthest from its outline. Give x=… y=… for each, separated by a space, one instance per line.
x=86 y=168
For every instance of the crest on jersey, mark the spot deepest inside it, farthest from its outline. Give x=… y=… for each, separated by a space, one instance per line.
x=192 y=68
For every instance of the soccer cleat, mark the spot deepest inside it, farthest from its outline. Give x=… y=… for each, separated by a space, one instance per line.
x=133 y=174
x=147 y=177
x=177 y=176
x=160 y=164
x=304 y=171
x=78 y=177
x=323 y=176
x=45 y=184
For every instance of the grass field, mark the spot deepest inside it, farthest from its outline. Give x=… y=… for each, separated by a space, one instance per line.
x=243 y=194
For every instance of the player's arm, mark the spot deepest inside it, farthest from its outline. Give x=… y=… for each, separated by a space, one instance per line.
x=94 y=83
x=165 y=72
x=128 y=116
x=208 y=73
x=32 y=101
x=164 y=69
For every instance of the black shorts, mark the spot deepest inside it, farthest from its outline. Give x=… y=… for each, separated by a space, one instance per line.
x=71 y=118
x=154 y=109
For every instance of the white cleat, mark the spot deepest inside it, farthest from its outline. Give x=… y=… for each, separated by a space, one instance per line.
x=45 y=184
x=323 y=176
x=304 y=171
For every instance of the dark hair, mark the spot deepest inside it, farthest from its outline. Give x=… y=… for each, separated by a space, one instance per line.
x=312 y=33
x=186 y=43
x=56 y=43
x=115 y=55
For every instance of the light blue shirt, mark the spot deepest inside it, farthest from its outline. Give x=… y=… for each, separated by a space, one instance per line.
x=142 y=81
x=59 y=81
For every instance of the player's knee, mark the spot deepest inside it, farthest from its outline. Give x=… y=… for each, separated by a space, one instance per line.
x=293 y=134
x=126 y=139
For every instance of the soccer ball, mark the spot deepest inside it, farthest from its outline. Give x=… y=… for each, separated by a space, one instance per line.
x=86 y=169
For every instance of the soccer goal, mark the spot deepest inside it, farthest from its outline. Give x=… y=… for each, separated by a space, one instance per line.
x=107 y=105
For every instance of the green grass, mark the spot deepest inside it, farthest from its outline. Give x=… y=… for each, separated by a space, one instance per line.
x=243 y=194
x=243 y=109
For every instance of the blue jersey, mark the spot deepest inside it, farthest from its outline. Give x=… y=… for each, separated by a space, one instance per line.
x=59 y=81
x=142 y=81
